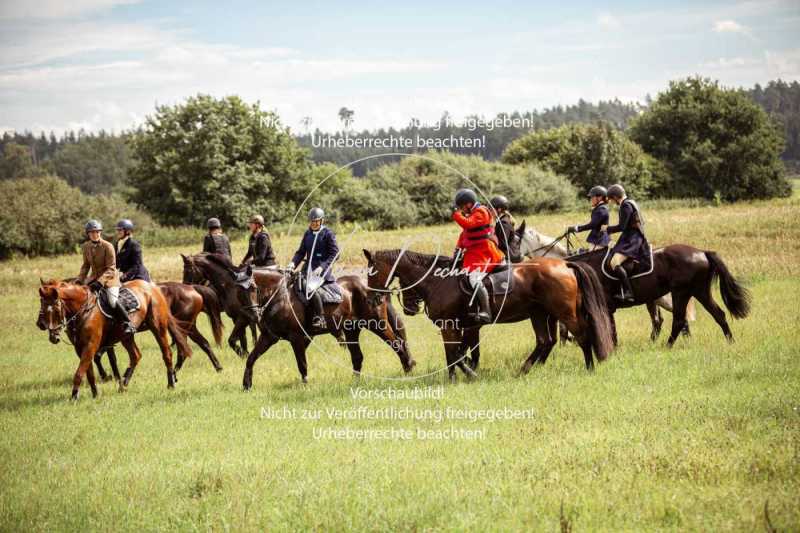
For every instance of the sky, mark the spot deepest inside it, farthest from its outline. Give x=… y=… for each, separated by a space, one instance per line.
x=106 y=64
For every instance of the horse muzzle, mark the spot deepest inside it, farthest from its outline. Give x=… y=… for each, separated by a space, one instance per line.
x=54 y=336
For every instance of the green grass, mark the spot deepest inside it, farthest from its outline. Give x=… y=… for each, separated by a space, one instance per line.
x=699 y=437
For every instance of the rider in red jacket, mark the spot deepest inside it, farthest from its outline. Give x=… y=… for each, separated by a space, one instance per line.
x=477 y=240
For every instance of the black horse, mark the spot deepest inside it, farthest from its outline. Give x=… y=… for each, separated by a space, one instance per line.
x=685 y=272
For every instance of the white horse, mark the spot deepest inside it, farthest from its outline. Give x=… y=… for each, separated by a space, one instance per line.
x=534 y=244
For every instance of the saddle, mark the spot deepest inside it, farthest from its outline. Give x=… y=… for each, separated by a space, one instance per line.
x=244 y=277
x=633 y=267
x=129 y=301
x=331 y=293
x=499 y=282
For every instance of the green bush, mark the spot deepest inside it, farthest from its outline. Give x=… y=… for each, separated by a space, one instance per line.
x=420 y=190
x=44 y=216
x=587 y=154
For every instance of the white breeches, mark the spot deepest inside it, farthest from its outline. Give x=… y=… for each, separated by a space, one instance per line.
x=113 y=295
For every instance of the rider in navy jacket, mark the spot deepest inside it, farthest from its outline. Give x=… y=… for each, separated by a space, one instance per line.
x=632 y=243
x=319 y=250
x=129 y=254
x=597 y=237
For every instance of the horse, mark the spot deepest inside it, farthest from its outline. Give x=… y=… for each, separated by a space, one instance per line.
x=544 y=290
x=684 y=271
x=185 y=303
x=530 y=243
x=284 y=316
x=77 y=309
x=219 y=272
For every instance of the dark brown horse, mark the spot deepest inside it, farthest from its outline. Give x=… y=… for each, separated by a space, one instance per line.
x=77 y=309
x=685 y=272
x=284 y=316
x=219 y=273
x=544 y=291
x=186 y=302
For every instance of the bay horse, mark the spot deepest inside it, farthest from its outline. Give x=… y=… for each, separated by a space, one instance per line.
x=684 y=271
x=284 y=316
x=219 y=273
x=77 y=309
x=186 y=302
x=544 y=291
x=529 y=243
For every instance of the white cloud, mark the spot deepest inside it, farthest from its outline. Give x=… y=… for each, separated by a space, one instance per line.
x=608 y=21
x=55 y=9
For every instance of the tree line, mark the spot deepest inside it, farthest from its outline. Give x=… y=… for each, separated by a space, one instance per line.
x=226 y=158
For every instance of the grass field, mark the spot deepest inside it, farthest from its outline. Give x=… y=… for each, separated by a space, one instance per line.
x=699 y=437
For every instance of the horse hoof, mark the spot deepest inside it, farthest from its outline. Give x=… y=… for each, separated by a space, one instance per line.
x=305 y=380
x=219 y=369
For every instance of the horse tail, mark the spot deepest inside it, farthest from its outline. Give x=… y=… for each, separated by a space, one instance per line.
x=178 y=333
x=736 y=297
x=212 y=308
x=595 y=309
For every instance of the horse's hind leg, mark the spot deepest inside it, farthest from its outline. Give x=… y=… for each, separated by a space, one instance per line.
x=112 y=360
x=91 y=380
x=396 y=343
x=239 y=333
x=134 y=355
x=544 y=327
x=160 y=332
x=704 y=297
x=679 y=301
x=98 y=361
x=656 y=320
x=204 y=345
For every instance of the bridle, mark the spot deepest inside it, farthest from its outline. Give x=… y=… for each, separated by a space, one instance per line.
x=54 y=328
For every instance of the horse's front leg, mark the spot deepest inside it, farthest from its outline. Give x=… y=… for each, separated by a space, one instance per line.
x=239 y=333
x=112 y=360
x=86 y=358
x=263 y=343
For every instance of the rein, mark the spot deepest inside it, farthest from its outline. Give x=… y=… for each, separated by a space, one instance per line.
x=551 y=245
x=65 y=322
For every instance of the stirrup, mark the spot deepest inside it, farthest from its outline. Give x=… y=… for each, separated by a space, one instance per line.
x=319 y=322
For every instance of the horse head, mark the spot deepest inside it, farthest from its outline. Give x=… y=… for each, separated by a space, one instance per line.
x=192 y=274
x=52 y=315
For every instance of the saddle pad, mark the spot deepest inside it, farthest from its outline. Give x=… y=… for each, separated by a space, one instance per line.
x=497 y=283
x=130 y=302
x=331 y=293
x=635 y=269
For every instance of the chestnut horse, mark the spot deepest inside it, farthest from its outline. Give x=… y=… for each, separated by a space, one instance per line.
x=186 y=302
x=77 y=309
x=544 y=291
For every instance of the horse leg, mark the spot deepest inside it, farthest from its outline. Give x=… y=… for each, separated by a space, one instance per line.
x=91 y=380
x=395 y=342
x=112 y=360
x=263 y=343
x=135 y=356
x=539 y=321
x=356 y=355
x=472 y=341
x=707 y=300
x=238 y=333
x=299 y=345
x=656 y=320
x=160 y=332
x=452 y=342
x=86 y=357
x=98 y=362
x=613 y=328
x=679 y=301
x=550 y=342
x=204 y=345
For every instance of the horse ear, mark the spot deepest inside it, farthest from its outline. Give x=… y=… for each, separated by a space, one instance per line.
x=367 y=254
x=41 y=281
x=521 y=229
x=185 y=259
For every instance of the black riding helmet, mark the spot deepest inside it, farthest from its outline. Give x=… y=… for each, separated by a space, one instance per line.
x=213 y=223
x=616 y=191
x=499 y=202
x=465 y=196
x=597 y=190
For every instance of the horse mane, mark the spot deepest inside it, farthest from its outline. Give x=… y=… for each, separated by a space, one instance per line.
x=221 y=261
x=416 y=258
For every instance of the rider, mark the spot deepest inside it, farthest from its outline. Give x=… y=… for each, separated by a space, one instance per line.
x=259 y=249
x=632 y=243
x=598 y=196
x=478 y=241
x=99 y=258
x=129 y=254
x=216 y=242
x=319 y=250
x=504 y=227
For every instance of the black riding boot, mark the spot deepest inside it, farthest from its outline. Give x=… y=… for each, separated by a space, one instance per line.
x=122 y=317
x=318 y=321
x=484 y=314
x=627 y=291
